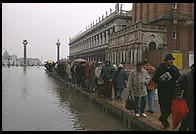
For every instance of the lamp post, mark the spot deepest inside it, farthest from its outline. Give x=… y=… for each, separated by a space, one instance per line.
x=58 y=44
x=25 y=44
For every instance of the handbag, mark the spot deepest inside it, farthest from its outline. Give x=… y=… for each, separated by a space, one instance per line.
x=130 y=102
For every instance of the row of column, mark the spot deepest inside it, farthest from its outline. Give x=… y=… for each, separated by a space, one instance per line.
x=131 y=56
x=96 y=40
x=100 y=57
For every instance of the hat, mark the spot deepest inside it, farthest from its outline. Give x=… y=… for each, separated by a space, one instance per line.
x=107 y=61
x=120 y=65
x=169 y=57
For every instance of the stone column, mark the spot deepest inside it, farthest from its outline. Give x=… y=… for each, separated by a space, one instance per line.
x=103 y=38
x=131 y=60
x=97 y=36
x=135 y=56
x=124 y=56
x=140 y=53
x=25 y=44
x=58 y=44
x=106 y=36
x=100 y=40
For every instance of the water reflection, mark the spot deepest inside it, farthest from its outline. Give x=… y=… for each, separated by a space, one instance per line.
x=85 y=115
x=32 y=100
x=24 y=69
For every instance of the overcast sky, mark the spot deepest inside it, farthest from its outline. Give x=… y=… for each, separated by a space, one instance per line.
x=43 y=23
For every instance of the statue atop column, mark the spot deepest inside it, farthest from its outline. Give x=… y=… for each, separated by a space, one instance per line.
x=117 y=7
x=120 y=8
x=25 y=42
x=110 y=10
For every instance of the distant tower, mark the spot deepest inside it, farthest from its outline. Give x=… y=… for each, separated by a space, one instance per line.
x=25 y=44
x=58 y=44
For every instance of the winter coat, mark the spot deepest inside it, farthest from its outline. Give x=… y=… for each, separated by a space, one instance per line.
x=186 y=83
x=108 y=72
x=138 y=81
x=98 y=72
x=119 y=79
x=68 y=71
x=166 y=88
x=91 y=72
x=86 y=71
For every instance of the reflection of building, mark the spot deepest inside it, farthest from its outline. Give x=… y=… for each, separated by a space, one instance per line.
x=92 y=44
x=157 y=29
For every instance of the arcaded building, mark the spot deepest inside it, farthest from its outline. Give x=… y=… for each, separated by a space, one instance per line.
x=149 y=30
x=92 y=44
x=156 y=29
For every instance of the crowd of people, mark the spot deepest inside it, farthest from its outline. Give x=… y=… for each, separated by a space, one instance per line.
x=141 y=82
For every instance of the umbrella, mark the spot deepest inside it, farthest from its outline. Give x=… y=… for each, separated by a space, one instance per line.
x=49 y=61
x=179 y=110
x=80 y=60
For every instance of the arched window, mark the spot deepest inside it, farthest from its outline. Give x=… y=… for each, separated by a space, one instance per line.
x=152 y=46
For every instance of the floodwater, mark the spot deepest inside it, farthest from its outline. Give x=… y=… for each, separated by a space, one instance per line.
x=32 y=100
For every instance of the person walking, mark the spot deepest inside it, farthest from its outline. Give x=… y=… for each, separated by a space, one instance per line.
x=86 y=74
x=120 y=79
x=165 y=77
x=99 y=80
x=186 y=83
x=92 y=77
x=138 y=80
x=107 y=74
x=68 y=71
x=151 y=85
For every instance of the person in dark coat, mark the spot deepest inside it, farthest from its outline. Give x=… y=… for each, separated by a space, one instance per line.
x=186 y=83
x=107 y=74
x=165 y=77
x=92 y=76
x=81 y=75
x=119 y=81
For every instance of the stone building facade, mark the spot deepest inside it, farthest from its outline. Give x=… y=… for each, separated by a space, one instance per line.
x=157 y=29
x=130 y=45
x=93 y=43
x=152 y=31
x=178 y=19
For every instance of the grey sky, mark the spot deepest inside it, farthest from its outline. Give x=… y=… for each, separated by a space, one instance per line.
x=43 y=23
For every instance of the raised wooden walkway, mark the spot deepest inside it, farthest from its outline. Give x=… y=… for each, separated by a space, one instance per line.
x=150 y=123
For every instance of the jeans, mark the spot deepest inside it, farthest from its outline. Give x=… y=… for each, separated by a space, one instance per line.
x=151 y=97
x=140 y=103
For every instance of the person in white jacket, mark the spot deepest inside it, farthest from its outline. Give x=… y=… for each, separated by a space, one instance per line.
x=99 y=80
x=138 y=80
